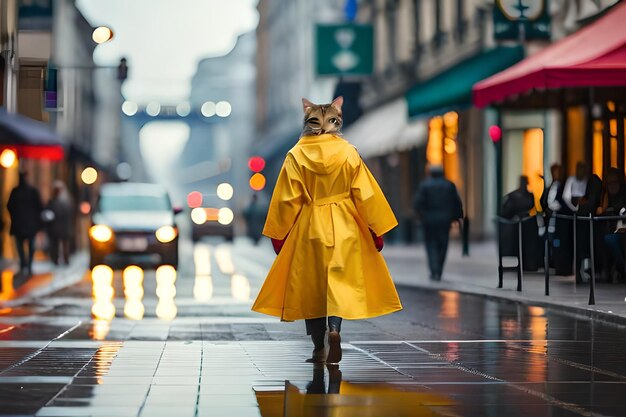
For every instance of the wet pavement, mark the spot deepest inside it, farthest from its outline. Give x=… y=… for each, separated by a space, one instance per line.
x=187 y=344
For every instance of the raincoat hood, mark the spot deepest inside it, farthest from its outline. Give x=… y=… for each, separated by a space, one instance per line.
x=321 y=154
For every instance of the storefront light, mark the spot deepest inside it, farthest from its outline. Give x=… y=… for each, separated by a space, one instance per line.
x=8 y=158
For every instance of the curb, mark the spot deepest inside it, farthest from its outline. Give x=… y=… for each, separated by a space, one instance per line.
x=70 y=276
x=578 y=311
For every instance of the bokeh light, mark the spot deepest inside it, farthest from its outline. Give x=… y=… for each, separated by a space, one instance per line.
x=256 y=163
x=240 y=287
x=208 y=109
x=8 y=158
x=223 y=109
x=153 y=109
x=183 y=109
x=129 y=108
x=89 y=175
x=124 y=171
x=257 y=181
x=225 y=191
x=85 y=207
x=225 y=216
x=102 y=34
x=198 y=215
x=194 y=199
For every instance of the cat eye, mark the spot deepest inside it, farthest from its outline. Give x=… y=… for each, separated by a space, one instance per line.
x=333 y=121
x=313 y=120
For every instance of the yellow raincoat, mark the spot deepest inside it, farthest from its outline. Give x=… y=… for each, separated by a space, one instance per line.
x=325 y=202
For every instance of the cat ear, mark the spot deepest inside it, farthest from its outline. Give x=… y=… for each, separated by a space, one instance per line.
x=306 y=104
x=337 y=103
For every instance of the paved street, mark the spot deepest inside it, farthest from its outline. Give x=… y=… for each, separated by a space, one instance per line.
x=194 y=348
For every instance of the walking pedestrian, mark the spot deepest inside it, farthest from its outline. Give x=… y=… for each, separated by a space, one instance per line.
x=255 y=217
x=60 y=226
x=438 y=204
x=326 y=220
x=25 y=209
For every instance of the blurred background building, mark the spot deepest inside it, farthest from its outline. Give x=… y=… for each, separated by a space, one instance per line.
x=415 y=108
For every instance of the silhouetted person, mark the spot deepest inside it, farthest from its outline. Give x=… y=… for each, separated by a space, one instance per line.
x=518 y=202
x=25 y=208
x=255 y=218
x=61 y=224
x=517 y=205
x=438 y=204
x=559 y=229
x=613 y=202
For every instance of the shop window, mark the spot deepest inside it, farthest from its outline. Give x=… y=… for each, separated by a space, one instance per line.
x=597 y=148
x=442 y=148
x=576 y=138
x=614 y=153
x=434 y=149
x=532 y=162
x=450 y=149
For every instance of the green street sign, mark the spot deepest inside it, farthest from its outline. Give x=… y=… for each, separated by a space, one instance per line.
x=521 y=20
x=345 y=49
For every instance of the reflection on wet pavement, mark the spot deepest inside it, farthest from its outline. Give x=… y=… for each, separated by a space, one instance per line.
x=133 y=291
x=193 y=348
x=166 y=291
x=103 y=293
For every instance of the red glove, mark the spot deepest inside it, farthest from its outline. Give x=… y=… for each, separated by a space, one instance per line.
x=278 y=244
x=378 y=241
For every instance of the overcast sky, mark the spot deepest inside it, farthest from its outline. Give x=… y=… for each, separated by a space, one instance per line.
x=163 y=40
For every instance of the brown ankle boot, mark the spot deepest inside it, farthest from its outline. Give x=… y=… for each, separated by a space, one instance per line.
x=334 y=347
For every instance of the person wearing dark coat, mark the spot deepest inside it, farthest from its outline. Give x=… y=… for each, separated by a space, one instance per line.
x=25 y=209
x=518 y=202
x=588 y=204
x=60 y=223
x=254 y=215
x=517 y=205
x=438 y=204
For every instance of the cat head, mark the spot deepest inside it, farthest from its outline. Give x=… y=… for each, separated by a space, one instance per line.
x=322 y=118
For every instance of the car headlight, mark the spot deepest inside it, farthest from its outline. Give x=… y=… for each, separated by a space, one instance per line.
x=101 y=233
x=225 y=216
x=166 y=234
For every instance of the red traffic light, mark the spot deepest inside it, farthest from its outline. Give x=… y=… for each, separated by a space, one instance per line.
x=256 y=163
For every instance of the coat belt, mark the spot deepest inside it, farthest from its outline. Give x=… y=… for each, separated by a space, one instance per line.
x=330 y=199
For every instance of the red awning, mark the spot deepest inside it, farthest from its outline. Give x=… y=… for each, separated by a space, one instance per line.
x=595 y=56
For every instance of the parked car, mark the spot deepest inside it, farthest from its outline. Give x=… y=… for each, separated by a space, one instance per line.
x=133 y=223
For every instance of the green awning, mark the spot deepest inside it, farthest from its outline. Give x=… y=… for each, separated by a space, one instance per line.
x=452 y=89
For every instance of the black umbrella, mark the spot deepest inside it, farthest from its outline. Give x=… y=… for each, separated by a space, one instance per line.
x=30 y=138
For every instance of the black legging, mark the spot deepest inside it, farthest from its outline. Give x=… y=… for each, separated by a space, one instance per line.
x=26 y=259
x=316 y=328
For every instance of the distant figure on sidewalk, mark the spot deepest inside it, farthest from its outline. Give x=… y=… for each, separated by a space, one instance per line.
x=255 y=218
x=438 y=204
x=60 y=225
x=25 y=208
x=326 y=220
